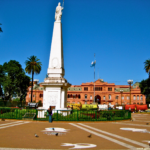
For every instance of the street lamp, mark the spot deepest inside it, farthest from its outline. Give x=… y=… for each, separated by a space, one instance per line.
x=130 y=82
x=121 y=91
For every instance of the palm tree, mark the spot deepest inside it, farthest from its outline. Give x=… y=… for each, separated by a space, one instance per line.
x=36 y=87
x=33 y=66
x=147 y=67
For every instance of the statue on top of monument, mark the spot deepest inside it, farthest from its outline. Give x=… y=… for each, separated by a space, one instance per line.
x=58 y=12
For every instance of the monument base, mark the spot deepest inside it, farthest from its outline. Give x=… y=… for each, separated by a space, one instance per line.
x=42 y=112
x=55 y=93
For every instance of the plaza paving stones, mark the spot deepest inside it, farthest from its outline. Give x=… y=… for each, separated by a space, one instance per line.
x=105 y=135
x=11 y=124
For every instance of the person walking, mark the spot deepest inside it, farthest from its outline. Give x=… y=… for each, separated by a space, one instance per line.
x=50 y=113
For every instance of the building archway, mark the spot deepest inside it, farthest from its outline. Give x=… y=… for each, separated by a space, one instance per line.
x=98 y=99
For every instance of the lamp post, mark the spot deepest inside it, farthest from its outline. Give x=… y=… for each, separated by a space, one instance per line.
x=130 y=82
x=121 y=91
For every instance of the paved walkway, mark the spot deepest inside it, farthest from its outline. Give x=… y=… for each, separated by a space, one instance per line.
x=20 y=135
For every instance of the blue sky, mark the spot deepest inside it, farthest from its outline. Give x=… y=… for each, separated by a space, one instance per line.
x=117 y=31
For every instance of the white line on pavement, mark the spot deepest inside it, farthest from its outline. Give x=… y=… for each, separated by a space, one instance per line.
x=131 y=124
x=13 y=125
x=117 y=136
x=105 y=137
x=140 y=121
x=140 y=118
x=14 y=122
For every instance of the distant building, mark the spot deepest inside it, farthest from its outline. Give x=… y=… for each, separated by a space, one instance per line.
x=37 y=92
x=105 y=93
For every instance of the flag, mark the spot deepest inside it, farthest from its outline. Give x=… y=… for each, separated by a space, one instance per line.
x=93 y=63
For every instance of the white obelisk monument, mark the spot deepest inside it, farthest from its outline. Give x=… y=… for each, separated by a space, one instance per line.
x=55 y=85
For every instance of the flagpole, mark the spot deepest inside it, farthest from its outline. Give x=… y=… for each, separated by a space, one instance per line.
x=94 y=79
x=94 y=83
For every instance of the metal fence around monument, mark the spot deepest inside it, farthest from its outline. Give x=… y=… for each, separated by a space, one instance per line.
x=64 y=115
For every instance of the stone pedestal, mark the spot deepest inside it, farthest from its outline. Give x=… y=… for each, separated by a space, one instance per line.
x=55 y=93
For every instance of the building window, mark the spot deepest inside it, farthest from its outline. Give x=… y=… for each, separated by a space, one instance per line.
x=33 y=95
x=85 y=102
x=79 y=96
x=74 y=95
x=104 y=97
x=122 y=97
x=78 y=102
x=122 y=103
x=85 y=88
x=116 y=103
x=68 y=96
x=98 y=88
x=128 y=98
x=110 y=89
x=41 y=95
x=137 y=97
x=134 y=103
x=90 y=96
x=141 y=97
x=134 y=98
x=117 y=97
x=109 y=96
x=85 y=96
x=141 y=103
x=137 y=103
x=29 y=95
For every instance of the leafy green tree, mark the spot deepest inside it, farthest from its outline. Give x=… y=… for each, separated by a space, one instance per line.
x=145 y=86
x=2 y=74
x=33 y=66
x=22 y=85
x=15 y=81
x=147 y=67
x=1 y=28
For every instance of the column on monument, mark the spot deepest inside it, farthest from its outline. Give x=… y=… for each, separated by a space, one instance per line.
x=62 y=98
x=65 y=103
x=44 y=98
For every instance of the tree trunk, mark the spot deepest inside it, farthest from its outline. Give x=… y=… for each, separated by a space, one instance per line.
x=32 y=86
x=1 y=92
x=21 y=100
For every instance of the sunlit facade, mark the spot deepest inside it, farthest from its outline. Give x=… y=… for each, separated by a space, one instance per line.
x=105 y=93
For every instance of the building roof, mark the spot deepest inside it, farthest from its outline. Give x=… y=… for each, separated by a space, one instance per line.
x=74 y=89
x=124 y=89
